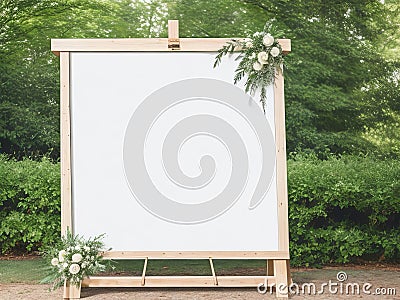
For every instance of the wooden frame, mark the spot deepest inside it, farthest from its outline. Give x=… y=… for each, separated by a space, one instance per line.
x=150 y=44
x=277 y=268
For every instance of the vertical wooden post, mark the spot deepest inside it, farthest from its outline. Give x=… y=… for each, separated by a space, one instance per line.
x=281 y=168
x=173 y=35
x=71 y=291
x=280 y=266
x=270 y=267
x=65 y=126
x=281 y=278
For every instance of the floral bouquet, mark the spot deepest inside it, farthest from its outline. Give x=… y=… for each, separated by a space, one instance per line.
x=73 y=259
x=259 y=57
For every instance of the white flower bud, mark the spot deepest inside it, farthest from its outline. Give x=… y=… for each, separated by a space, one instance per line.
x=61 y=255
x=262 y=57
x=275 y=51
x=74 y=269
x=76 y=257
x=257 y=66
x=268 y=40
x=54 y=261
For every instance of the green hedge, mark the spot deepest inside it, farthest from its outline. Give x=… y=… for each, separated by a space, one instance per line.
x=30 y=204
x=339 y=209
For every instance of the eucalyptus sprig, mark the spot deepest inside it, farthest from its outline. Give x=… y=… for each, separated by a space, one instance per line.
x=259 y=57
x=73 y=259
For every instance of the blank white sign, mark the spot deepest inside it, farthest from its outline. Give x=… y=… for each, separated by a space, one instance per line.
x=169 y=155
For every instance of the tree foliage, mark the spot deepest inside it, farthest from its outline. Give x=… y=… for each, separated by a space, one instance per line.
x=341 y=77
x=336 y=70
x=29 y=84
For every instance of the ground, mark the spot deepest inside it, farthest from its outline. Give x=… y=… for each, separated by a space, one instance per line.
x=386 y=278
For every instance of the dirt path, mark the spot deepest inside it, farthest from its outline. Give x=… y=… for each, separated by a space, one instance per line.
x=378 y=279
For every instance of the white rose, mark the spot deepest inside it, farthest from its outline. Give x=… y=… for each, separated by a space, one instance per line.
x=268 y=40
x=275 y=51
x=257 y=66
x=54 y=261
x=76 y=257
x=61 y=255
x=262 y=57
x=74 y=269
x=86 y=248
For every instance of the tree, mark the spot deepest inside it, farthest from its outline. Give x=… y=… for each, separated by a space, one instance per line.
x=341 y=84
x=29 y=90
x=333 y=62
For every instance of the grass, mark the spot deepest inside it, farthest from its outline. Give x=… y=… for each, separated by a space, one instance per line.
x=22 y=271
x=32 y=270
x=189 y=267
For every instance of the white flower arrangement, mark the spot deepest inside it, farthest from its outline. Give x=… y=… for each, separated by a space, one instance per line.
x=259 y=57
x=74 y=259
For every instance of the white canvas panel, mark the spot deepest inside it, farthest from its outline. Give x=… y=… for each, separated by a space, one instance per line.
x=169 y=155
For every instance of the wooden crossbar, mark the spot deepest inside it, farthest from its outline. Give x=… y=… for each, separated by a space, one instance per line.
x=178 y=281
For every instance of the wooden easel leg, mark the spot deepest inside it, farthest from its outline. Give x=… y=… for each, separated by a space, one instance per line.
x=144 y=271
x=281 y=277
x=213 y=271
x=270 y=267
x=289 y=274
x=71 y=291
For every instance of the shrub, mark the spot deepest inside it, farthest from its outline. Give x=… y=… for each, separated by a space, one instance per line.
x=343 y=208
x=30 y=204
x=340 y=209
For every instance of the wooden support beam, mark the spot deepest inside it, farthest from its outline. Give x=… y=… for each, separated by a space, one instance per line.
x=144 y=272
x=213 y=271
x=173 y=35
x=178 y=281
x=65 y=126
x=142 y=44
x=270 y=267
x=195 y=254
x=71 y=291
x=281 y=277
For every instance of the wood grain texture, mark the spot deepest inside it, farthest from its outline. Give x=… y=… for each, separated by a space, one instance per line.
x=145 y=44
x=279 y=258
x=65 y=125
x=71 y=291
x=281 y=277
x=281 y=168
x=196 y=255
x=178 y=281
x=173 y=29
